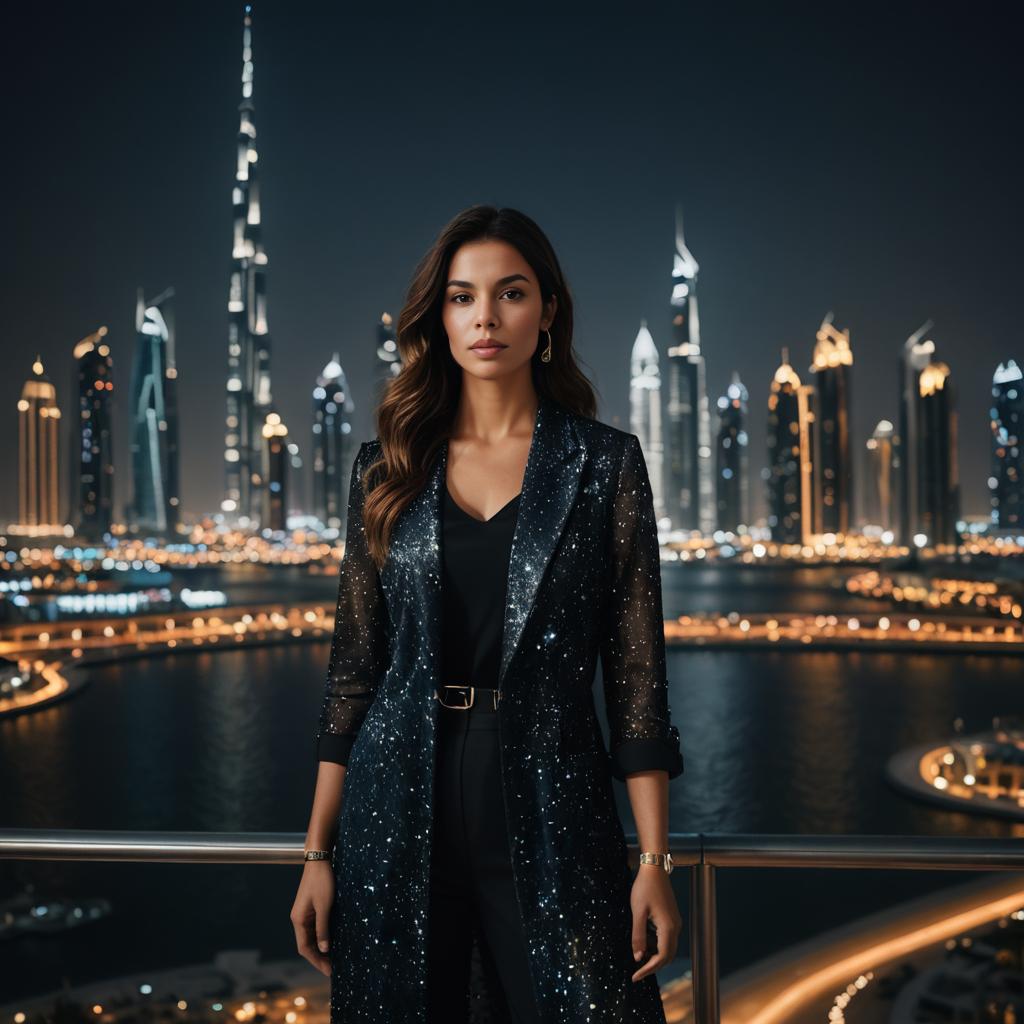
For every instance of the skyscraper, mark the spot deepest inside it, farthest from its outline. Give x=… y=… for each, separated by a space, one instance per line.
x=929 y=473
x=939 y=503
x=389 y=361
x=690 y=502
x=38 y=454
x=732 y=505
x=881 y=478
x=274 y=452
x=833 y=470
x=645 y=411
x=790 y=516
x=248 y=384
x=155 y=506
x=915 y=356
x=332 y=437
x=93 y=458
x=1007 y=421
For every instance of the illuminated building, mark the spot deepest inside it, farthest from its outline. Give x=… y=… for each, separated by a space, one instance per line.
x=929 y=477
x=691 y=505
x=389 y=362
x=645 y=410
x=832 y=462
x=880 y=478
x=93 y=455
x=732 y=507
x=248 y=383
x=332 y=439
x=790 y=424
x=940 y=487
x=155 y=506
x=275 y=456
x=38 y=454
x=1007 y=418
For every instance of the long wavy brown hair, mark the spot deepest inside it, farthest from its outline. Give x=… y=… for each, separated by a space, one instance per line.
x=418 y=408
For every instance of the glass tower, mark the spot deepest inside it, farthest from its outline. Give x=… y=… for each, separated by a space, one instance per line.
x=332 y=438
x=731 y=449
x=155 y=504
x=690 y=501
x=93 y=457
x=1007 y=419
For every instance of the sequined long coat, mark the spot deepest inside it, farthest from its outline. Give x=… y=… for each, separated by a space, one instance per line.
x=584 y=583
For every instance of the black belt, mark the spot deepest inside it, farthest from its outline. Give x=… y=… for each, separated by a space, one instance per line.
x=465 y=694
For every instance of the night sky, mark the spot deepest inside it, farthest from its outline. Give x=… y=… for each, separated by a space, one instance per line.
x=863 y=162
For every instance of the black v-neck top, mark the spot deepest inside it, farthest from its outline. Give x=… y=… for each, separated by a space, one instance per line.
x=475 y=558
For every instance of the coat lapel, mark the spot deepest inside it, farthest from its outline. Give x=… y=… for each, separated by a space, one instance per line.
x=550 y=483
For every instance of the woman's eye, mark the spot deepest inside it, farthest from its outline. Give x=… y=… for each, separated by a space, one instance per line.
x=462 y=295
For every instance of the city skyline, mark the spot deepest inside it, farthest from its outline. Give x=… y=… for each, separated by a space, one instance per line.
x=764 y=281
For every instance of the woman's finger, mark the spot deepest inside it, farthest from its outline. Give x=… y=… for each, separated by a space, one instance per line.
x=668 y=939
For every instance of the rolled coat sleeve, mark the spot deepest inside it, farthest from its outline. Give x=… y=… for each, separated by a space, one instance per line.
x=633 y=641
x=360 y=642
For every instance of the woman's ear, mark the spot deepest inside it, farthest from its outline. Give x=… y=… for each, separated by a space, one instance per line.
x=550 y=308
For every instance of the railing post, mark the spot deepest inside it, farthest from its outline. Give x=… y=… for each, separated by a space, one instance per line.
x=704 y=943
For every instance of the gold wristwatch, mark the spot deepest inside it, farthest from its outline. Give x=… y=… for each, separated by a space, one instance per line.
x=664 y=859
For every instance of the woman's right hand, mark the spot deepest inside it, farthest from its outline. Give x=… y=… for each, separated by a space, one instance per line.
x=311 y=913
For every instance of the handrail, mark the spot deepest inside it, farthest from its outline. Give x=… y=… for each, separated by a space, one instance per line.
x=704 y=852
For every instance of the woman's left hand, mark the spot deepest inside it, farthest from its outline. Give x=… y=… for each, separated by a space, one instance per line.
x=652 y=897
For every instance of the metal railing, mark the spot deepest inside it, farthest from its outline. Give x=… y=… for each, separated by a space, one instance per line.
x=702 y=852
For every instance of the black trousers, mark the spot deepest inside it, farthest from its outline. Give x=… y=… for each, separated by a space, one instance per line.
x=471 y=883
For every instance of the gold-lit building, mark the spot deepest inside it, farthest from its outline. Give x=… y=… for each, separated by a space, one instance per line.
x=39 y=454
x=274 y=511
x=790 y=456
x=880 y=478
x=833 y=471
x=928 y=446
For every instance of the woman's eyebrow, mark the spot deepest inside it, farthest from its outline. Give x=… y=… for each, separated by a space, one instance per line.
x=500 y=281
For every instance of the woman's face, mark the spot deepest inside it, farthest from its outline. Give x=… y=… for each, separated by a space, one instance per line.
x=493 y=298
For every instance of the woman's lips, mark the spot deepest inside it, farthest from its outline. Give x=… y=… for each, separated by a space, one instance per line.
x=487 y=351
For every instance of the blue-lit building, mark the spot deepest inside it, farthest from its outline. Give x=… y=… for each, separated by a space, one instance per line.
x=333 y=409
x=1007 y=418
x=156 y=503
x=93 y=456
x=732 y=504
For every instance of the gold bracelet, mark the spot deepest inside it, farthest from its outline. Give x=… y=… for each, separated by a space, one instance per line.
x=318 y=855
x=664 y=859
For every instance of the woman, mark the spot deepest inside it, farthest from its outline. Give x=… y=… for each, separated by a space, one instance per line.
x=500 y=540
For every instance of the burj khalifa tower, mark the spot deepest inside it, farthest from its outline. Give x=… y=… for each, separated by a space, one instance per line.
x=248 y=381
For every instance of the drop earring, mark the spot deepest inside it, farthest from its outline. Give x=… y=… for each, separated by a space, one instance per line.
x=545 y=356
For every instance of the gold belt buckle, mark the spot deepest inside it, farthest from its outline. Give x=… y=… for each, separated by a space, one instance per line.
x=495 y=696
x=457 y=686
